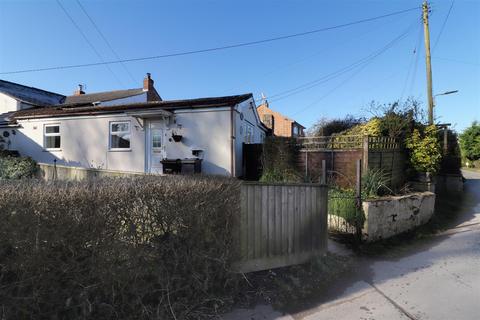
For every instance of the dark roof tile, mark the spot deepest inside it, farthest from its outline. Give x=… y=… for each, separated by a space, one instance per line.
x=63 y=111
x=102 y=96
x=30 y=95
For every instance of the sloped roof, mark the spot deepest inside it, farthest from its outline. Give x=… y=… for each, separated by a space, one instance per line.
x=264 y=106
x=63 y=110
x=30 y=95
x=102 y=96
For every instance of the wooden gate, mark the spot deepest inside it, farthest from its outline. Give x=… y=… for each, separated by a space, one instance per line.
x=281 y=225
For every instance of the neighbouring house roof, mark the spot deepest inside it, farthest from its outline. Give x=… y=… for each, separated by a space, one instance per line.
x=169 y=105
x=30 y=95
x=102 y=96
x=265 y=107
x=4 y=118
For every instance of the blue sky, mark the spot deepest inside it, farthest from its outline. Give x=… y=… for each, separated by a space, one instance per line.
x=36 y=34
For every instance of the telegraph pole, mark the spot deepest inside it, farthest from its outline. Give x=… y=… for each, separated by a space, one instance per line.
x=428 y=63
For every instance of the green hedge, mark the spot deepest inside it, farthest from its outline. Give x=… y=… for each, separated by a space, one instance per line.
x=125 y=248
x=17 y=167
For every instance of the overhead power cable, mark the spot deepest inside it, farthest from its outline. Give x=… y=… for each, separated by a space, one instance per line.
x=311 y=84
x=413 y=64
x=415 y=68
x=237 y=45
x=105 y=39
x=443 y=26
x=289 y=65
x=361 y=67
x=88 y=42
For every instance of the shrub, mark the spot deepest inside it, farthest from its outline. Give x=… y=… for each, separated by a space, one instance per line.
x=279 y=160
x=369 y=128
x=124 y=248
x=17 y=167
x=374 y=183
x=342 y=203
x=328 y=127
x=470 y=142
x=425 y=154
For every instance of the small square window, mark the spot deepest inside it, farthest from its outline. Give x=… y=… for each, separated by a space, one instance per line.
x=120 y=135
x=51 y=136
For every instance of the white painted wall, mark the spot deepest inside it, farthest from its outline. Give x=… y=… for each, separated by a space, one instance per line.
x=250 y=118
x=205 y=129
x=85 y=140
x=8 y=104
x=84 y=143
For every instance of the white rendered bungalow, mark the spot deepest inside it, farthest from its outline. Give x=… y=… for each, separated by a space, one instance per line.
x=135 y=131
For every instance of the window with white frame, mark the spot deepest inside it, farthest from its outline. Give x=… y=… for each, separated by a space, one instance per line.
x=51 y=136
x=120 y=135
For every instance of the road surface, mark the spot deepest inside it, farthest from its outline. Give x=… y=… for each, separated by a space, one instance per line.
x=436 y=279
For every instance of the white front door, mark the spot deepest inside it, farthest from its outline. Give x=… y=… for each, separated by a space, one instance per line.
x=156 y=148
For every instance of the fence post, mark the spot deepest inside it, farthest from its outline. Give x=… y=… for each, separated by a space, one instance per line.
x=54 y=169
x=365 y=153
x=306 y=165
x=324 y=172
x=358 y=199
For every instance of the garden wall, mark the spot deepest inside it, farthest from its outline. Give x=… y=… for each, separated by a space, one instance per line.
x=50 y=172
x=389 y=216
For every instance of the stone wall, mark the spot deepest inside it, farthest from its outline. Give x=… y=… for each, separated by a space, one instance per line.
x=389 y=216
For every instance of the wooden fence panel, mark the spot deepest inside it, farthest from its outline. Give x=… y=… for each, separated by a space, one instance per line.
x=281 y=225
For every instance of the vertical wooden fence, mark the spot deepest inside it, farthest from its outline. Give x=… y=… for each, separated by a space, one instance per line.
x=281 y=225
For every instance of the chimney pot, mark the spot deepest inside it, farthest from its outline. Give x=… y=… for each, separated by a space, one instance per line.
x=79 y=91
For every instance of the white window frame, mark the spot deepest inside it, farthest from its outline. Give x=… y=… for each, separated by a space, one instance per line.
x=52 y=134
x=129 y=132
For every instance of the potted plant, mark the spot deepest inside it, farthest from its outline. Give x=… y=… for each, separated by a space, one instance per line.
x=176 y=137
x=177 y=134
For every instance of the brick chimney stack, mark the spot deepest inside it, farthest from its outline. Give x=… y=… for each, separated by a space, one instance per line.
x=79 y=91
x=147 y=83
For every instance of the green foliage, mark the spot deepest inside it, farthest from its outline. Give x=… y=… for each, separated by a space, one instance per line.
x=397 y=119
x=125 y=248
x=328 y=127
x=374 y=183
x=425 y=152
x=373 y=127
x=470 y=142
x=279 y=160
x=342 y=203
x=17 y=168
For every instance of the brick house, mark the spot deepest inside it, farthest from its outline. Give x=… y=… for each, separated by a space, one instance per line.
x=280 y=125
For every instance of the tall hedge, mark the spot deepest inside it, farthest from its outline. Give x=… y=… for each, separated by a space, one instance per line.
x=125 y=248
